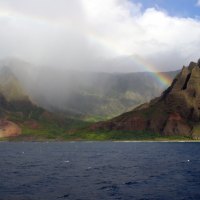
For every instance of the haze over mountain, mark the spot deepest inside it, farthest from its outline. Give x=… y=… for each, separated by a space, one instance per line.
x=76 y=93
x=22 y=118
x=72 y=45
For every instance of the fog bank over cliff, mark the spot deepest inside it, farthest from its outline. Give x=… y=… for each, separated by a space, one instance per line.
x=81 y=93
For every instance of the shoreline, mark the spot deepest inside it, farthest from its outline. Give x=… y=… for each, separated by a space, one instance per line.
x=91 y=141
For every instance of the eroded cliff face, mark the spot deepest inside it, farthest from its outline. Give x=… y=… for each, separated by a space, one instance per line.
x=183 y=96
x=175 y=112
x=9 y=129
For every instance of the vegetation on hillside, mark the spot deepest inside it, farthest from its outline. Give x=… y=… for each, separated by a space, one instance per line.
x=109 y=96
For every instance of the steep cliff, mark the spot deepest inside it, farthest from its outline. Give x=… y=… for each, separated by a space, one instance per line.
x=175 y=112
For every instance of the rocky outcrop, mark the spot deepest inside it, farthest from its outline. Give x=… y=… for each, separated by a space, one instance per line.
x=9 y=129
x=175 y=112
x=176 y=125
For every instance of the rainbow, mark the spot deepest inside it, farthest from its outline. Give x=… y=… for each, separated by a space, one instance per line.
x=163 y=78
x=145 y=65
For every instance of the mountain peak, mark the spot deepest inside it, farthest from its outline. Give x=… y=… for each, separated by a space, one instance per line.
x=175 y=112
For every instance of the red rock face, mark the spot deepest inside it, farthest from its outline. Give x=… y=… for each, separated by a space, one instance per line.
x=134 y=123
x=176 y=125
x=175 y=117
x=98 y=126
x=9 y=129
x=170 y=114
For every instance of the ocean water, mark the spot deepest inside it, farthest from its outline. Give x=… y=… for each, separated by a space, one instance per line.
x=99 y=170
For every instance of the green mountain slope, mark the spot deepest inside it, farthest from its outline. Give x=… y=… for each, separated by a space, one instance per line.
x=21 y=119
x=93 y=95
x=96 y=95
x=112 y=94
x=10 y=86
x=84 y=95
x=175 y=112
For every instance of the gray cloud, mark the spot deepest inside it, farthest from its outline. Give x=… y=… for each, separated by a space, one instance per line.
x=98 y=35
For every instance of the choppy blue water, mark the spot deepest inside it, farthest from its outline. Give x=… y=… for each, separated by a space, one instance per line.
x=99 y=170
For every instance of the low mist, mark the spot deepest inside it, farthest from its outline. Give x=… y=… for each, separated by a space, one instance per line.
x=81 y=93
x=66 y=51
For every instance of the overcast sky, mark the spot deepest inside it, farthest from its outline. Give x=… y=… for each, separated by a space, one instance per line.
x=101 y=35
